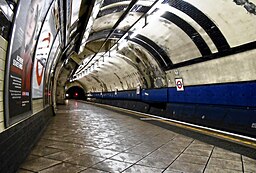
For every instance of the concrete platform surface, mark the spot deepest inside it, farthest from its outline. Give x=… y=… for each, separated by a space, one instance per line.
x=89 y=139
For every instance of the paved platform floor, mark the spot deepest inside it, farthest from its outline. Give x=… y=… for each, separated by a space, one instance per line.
x=89 y=139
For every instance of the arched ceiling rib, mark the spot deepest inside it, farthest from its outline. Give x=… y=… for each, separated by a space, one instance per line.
x=233 y=21
x=104 y=22
x=186 y=31
x=114 y=3
x=156 y=51
x=190 y=31
x=137 y=8
x=201 y=18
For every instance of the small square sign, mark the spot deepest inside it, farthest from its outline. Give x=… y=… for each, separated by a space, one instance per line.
x=179 y=84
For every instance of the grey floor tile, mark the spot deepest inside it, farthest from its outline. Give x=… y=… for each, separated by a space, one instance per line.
x=249 y=160
x=45 y=142
x=91 y=170
x=31 y=157
x=127 y=145
x=63 y=168
x=112 y=165
x=174 y=148
x=224 y=154
x=201 y=146
x=154 y=162
x=101 y=144
x=116 y=147
x=127 y=157
x=85 y=136
x=66 y=146
x=202 y=160
x=182 y=140
x=249 y=165
x=39 y=164
x=83 y=150
x=63 y=155
x=162 y=154
x=214 y=169
x=142 y=169
x=141 y=150
x=130 y=142
x=174 y=171
x=154 y=144
x=218 y=149
x=186 y=167
x=53 y=137
x=44 y=151
x=85 y=160
x=225 y=164
x=104 y=153
x=74 y=139
x=176 y=144
x=197 y=142
x=198 y=152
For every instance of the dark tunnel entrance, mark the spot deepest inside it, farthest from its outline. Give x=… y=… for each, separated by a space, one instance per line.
x=75 y=93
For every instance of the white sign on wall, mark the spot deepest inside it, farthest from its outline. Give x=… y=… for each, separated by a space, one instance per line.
x=138 y=90
x=179 y=84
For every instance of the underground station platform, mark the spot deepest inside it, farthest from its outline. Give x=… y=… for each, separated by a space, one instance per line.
x=127 y=86
x=92 y=138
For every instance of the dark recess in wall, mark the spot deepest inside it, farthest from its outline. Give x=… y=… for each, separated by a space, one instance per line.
x=75 y=93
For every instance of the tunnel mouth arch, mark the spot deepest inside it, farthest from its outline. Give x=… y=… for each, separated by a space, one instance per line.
x=75 y=92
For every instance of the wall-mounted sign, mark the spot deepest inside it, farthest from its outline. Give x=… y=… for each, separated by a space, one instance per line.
x=179 y=84
x=138 y=90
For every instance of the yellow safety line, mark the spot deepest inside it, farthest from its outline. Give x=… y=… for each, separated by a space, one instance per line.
x=230 y=138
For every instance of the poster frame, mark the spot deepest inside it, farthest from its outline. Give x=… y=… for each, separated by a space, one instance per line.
x=8 y=121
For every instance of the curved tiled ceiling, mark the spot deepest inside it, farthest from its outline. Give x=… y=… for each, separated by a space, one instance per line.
x=175 y=33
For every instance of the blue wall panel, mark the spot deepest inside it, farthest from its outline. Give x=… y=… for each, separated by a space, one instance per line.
x=233 y=94
x=237 y=94
x=211 y=113
x=108 y=95
x=130 y=95
x=154 y=95
x=240 y=117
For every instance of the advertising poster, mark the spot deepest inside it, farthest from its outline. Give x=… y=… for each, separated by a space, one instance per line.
x=28 y=20
x=45 y=41
x=53 y=55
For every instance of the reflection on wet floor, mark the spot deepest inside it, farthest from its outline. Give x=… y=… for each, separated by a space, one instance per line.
x=88 y=139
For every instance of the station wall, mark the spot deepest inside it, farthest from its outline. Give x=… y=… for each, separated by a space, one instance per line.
x=20 y=130
x=3 y=48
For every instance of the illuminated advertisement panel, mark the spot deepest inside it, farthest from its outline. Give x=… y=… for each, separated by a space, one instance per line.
x=27 y=23
x=45 y=41
x=53 y=55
